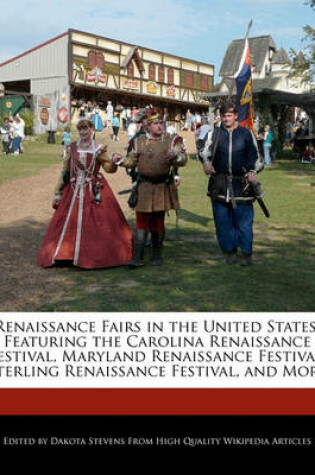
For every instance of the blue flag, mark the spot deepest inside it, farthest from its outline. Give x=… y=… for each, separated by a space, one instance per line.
x=244 y=90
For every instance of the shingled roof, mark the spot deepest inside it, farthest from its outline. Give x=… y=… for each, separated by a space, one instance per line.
x=133 y=54
x=259 y=46
x=281 y=57
x=266 y=83
x=258 y=84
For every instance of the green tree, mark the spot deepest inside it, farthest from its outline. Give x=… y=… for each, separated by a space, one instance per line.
x=303 y=62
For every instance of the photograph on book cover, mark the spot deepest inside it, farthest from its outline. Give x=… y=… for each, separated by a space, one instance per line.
x=157 y=226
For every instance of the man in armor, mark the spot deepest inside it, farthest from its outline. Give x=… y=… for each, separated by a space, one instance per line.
x=154 y=154
x=232 y=161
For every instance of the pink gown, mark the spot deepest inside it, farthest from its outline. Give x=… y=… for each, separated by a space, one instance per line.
x=89 y=234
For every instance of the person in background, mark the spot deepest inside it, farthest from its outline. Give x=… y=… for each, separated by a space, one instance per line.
x=217 y=118
x=178 y=121
x=193 y=122
x=132 y=129
x=188 y=119
x=109 y=114
x=256 y=125
x=18 y=134
x=66 y=140
x=82 y=111
x=268 y=138
x=123 y=115
x=89 y=110
x=306 y=156
x=171 y=130
x=197 y=118
x=298 y=129
x=134 y=112
x=5 y=136
x=136 y=128
x=166 y=118
x=128 y=116
x=116 y=125
x=197 y=130
x=288 y=133
x=97 y=119
x=202 y=135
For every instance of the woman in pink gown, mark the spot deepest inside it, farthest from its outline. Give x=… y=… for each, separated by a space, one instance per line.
x=88 y=228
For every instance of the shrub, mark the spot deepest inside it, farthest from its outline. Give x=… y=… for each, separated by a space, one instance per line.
x=28 y=118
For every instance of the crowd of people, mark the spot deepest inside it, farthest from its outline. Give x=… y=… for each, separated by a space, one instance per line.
x=297 y=137
x=108 y=118
x=296 y=129
x=265 y=136
x=126 y=118
x=12 y=134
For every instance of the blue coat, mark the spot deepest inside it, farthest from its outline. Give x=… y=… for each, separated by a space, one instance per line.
x=236 y=154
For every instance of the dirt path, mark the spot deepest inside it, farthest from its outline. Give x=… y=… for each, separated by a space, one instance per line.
x=25 y=211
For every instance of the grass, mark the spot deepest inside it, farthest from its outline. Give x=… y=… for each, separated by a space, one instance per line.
x=193 y=276
x=37 y=155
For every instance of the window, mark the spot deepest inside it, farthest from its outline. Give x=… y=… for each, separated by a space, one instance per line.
x=161 y=74
x=170 y=76
x=151 y=72
x=91 y=59
x=130 y=69
x=189 y=79
x=96 y=59
x=204 y=82
x=99 y=60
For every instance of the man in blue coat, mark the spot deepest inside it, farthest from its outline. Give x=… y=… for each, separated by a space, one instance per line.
x=232 y=161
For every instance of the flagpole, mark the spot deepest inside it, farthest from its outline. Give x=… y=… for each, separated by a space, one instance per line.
x=250 y=24
x=244 y=90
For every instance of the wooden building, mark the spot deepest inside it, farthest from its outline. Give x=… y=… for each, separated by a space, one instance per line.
x=80 y=67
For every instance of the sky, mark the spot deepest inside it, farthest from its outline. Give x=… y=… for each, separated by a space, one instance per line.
x=194 y=29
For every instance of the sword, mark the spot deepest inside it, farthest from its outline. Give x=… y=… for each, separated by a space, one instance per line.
x=263 y=207
x=258 y=194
